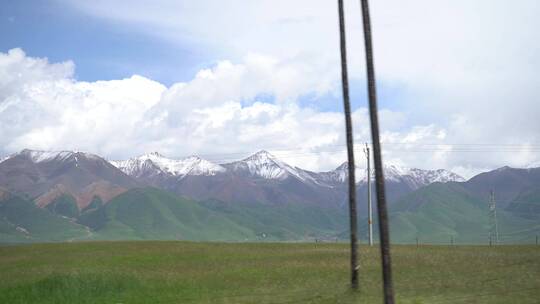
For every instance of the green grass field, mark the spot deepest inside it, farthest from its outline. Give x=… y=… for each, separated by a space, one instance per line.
x=183 y=272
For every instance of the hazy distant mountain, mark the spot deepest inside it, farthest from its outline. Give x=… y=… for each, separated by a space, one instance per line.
x=264 y=178
x=45 y=176
x=527 y=203
x=399 y=181
x=159 y=171
x=507 y=183
x=266 y=166
x=153 y=164
x=417 y=178
x=260 y=165
x=261 y=177
x=440 y=212
x=413 y=177
x=44 y=194
x=460 y=209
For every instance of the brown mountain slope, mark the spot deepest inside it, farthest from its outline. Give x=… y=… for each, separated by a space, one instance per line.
x=44 y=176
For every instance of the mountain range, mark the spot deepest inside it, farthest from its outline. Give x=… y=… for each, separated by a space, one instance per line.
x=260 y=197
x=264 y=178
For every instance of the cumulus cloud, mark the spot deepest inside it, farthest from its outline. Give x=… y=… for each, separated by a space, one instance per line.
x=466 y=71
x=43 y=107
x=223 y=113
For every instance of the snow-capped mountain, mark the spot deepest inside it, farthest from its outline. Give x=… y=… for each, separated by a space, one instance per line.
x=44 y=156
x=413 y=177
x=137 y=167
x=417 y=178
x=259 y=165
x=46 y=176
x=434 y=176
x=3 y=158
x=37 y=156
x=260 y=177
x=340 y=174
x=155 y=164
x=265 y=165
x=533 y=165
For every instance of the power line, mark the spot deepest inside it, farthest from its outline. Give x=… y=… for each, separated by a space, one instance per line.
x=296 y=155
x=403 y=147
x=389 y=147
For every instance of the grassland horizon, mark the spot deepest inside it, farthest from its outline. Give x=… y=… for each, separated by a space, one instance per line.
x=202 y=272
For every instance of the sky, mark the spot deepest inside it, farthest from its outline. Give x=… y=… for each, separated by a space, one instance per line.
x=457 y=80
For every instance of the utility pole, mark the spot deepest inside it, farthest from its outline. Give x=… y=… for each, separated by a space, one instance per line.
x=493 y=225
x=382 y=211
x=370 y=210
x=350 y=149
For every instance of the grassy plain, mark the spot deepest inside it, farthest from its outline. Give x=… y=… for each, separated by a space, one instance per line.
x=184 y=272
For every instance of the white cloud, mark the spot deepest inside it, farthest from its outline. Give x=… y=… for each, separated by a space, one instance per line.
x=218 y=114
x=468 y=68
x=43 y=107
x=443 y=43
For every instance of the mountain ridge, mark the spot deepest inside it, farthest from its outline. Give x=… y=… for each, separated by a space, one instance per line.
x=45 y=176
x=264 y=177
x=265 y=165
x=254 y=197
x=259 y=177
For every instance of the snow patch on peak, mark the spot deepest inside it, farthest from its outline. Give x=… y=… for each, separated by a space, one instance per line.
x=432 y=176
x=136 y=167
x=265 y=165
x=343 y=167
x=37 y=156
x=262 y=153
x=43 y=156
x=420 y=177
x=155 y=163
x=533 y=165
x=262 y=156
x=195 y=165
x=341 y=174
x=394 y=173
x=151 y=155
